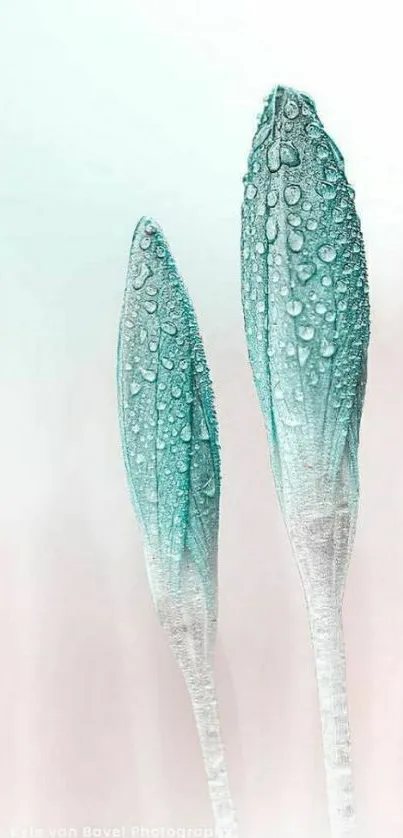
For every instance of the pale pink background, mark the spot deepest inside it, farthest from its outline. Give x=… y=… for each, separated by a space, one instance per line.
x=111 y=111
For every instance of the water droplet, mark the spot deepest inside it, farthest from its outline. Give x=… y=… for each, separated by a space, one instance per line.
x=295 y=241
x=278 y=259
x=169 y=328
x=160 y=252
x=291 y=109
x=272 y=198
x=184 y=364
x=327 y=253
x=306 y=332
x=292 y=194
x=209 y=488
x=313 y=130
x=176 y=391
x=342 y=305
x=273 y=156
x=140 y=274
x=145 y=243
x=305 y=270
x=153 y=345
x=186 y=433
x=250 y=191
x=294 y=307
x=326 y=190
x=167 y=363
x=150 y=306
x=260 y=248
x=303 y=355
x=204 y=432
x=332 y=174
x=151 y=290
x=271 y=229
x=278 y=392
x=129 y=324
x=290 y=350
x=149 y=229
x=307 y=206
x=140 y=458
x=261 y=135
x=338 y=215
x=311 y=224
x=322 y=152
x=330 y=317
x=320 y=308
x=326 y=281
x=294 y=220
x=327 y=349
x=341 y=287
x=135 y=387
x=160 y=444
x=149 y=375
x=289 y=154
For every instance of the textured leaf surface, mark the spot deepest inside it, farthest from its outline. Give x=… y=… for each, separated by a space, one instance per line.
x=168 y=423
x=305 y=298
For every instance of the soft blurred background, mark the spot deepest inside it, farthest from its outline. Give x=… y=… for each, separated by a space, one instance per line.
x=111 y=110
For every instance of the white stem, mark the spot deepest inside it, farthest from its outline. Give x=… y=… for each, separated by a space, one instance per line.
x=327 y=639
x=191 y=629
x=202 y=693
x=322 y=546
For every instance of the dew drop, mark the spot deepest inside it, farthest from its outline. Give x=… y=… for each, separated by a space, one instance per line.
x=271 y=229
x=320 y=308
x=311 y=224
x=260 y=248
x=292 y=194
x=150 y=306
x=330 y=317
x=290 y=350
x=303 y=354
x=169 y=328
x=295 y=241
x=294 y=308
x=272 y=198
x=327 y=253
x=291 y=109
x=294 y=220
x=186 y=433
x=135 y=387
x=160 y=252
x=141 y=273
x=145 y=243
x=341 y=287
x=307 y=206
x=327 y=349
x=306 y=332
x=167 y=363
x=332 y=174
x=129 y=324
x=326 y=190
x=289 y=155
x=273 y=156
x=278 y=392
x=176 y=392
x=326 y=281
x=149 y=375
x=305 y=270
x=313 y=130
x=250 y=191
x=338 y=216
x=153 y=345
x=160 y=444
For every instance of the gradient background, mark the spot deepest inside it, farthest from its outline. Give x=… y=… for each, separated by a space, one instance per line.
x=111 y=110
